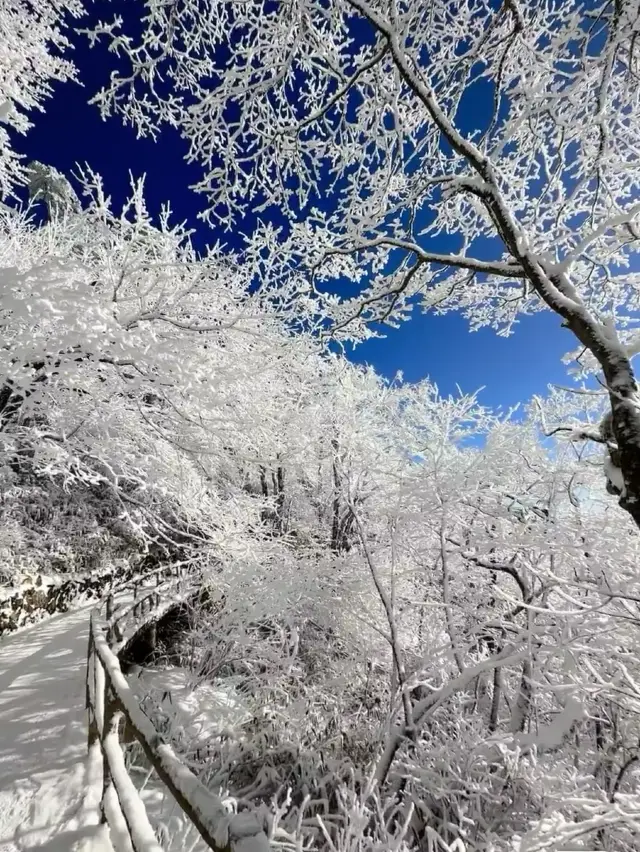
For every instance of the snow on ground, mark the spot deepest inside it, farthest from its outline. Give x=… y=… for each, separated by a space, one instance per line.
x=199 y=710
x=44 y=770
x=190 y=712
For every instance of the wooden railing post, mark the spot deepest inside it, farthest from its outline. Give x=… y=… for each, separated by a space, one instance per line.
x=93 y=733
x=109 y=730
x=153 y=636
x=99 y=694
x=117 y=631
x=109 y=614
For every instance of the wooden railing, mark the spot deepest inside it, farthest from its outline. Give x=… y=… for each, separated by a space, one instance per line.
x=112 y=703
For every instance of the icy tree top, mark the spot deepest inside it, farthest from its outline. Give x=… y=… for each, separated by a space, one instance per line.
x=386 y=128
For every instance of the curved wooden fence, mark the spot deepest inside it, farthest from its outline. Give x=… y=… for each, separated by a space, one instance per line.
x=111 y=703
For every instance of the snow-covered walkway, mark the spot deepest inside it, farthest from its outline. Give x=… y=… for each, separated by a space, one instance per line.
x=43 y=740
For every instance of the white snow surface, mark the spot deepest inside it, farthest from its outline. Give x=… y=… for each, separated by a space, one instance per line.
x=201 y=710
x=49 y=788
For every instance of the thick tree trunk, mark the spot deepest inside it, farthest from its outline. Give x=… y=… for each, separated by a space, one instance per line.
x=625 y=409
x=556 y=290
x=602 y=341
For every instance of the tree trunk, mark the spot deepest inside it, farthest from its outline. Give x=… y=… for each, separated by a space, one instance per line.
x=556 y=290
x=522 y=709
x=602 y=341
x=495 y=699
x=625 y=410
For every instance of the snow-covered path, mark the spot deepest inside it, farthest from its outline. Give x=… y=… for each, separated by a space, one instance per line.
x=43 y=739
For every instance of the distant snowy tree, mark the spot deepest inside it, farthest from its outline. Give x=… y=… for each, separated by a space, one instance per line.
x=384 y=132
x=48 y=186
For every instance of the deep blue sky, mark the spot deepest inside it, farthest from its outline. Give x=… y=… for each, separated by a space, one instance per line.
x=511 y=369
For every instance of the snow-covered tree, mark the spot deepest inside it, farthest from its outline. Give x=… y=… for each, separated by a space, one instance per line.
x=48 y=186
x=472 y=155
x=33 y=39
x=472 y=645
x=132 y=365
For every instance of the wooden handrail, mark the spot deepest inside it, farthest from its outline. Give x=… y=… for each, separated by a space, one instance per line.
x=110 y=700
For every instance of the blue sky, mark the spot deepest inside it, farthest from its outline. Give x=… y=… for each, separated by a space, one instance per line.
x=510 y=369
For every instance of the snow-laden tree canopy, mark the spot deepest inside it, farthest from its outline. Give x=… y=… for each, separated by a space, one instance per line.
x=382 y=131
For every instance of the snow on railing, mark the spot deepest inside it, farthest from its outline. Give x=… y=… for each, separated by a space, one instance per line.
x=111 y=701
